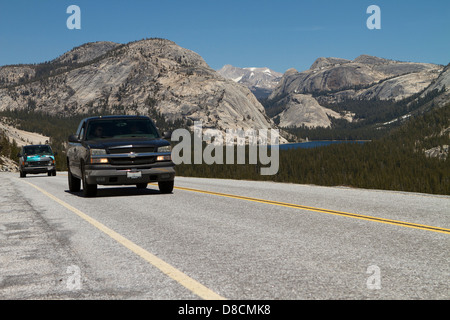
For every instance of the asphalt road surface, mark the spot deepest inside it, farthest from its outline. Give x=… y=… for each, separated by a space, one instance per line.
x=220 y=239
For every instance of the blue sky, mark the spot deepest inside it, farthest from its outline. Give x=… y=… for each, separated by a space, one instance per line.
x=279 y=34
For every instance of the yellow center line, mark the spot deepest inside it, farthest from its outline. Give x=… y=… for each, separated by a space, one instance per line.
x=183 y=279
x=334 y=212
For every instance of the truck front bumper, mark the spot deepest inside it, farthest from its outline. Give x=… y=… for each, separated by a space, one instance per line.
x=37 y=170
x=114 y=176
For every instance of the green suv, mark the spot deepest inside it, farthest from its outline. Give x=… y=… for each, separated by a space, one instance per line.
x=36 y=159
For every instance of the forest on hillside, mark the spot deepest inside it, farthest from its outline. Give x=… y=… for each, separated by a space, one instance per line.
x=58 y=128
x=372 y=118
x=396 y=161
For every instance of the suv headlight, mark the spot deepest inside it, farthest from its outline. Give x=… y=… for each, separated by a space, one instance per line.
x=96 y=156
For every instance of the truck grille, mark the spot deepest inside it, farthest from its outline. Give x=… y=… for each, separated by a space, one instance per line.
x=38 y=163
x=119 y=150
x=130 y=161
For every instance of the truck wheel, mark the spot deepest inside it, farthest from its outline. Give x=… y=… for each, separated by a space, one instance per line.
x=74 y=183
x=89 y=190
x=22 y=174
x=165 y=186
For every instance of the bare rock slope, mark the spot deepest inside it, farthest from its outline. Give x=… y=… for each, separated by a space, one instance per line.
x=152 y=75
x=331 y=80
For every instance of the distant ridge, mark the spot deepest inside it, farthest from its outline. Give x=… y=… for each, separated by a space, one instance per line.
x=261 y=81
x=300 y=97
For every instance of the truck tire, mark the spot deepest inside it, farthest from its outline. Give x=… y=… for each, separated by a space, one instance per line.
x=74 y=183
x=165 y=186
x=89 y=190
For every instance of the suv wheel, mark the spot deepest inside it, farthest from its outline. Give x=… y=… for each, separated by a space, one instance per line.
x=165 y=186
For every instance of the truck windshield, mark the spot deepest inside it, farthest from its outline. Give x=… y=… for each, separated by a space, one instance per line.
x=37 y=150
x=121 y=128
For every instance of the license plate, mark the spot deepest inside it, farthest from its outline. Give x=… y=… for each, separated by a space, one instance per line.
x=134 y=175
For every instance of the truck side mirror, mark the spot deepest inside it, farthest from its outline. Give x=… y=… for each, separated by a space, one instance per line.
x=73 y=138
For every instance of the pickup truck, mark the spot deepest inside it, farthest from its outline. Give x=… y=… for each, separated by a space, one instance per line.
x=118 y=150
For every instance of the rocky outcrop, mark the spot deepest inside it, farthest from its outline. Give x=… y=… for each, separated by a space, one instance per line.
x=365 y=77
x=438 y=152
x=396 y=88
x=150 y=75
x=328 y=62
x=304 y=109
x=332 y=80
x=443 y=81
x=86 y=52
x=11 y=75
x=8 y=165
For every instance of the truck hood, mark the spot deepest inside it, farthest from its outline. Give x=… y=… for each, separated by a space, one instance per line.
x=39 y=158
x=105 y=144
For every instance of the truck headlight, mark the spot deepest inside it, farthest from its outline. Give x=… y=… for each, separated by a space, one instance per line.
x=165 y=149
x=165 y=157
x=96 y=156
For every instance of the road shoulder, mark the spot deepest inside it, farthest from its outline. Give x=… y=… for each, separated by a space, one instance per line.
x=35 y=262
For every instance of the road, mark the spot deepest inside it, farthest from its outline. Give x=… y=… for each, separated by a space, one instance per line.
x=220 y=239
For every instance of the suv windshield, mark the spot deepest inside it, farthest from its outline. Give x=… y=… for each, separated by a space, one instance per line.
x=121 y=128
x=37 y=150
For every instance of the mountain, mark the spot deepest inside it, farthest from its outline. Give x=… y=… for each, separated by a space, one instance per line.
x=261 y=81
x=442 y=83
x=19 y=74
x=151 y=76
x=365 y=78
x=334 y=80
x=86 y=52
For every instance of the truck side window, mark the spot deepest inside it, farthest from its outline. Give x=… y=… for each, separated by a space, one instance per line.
x=80 y=136
x=81 y=129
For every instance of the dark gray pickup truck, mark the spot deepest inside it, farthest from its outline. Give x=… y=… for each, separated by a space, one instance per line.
x=118 y=150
